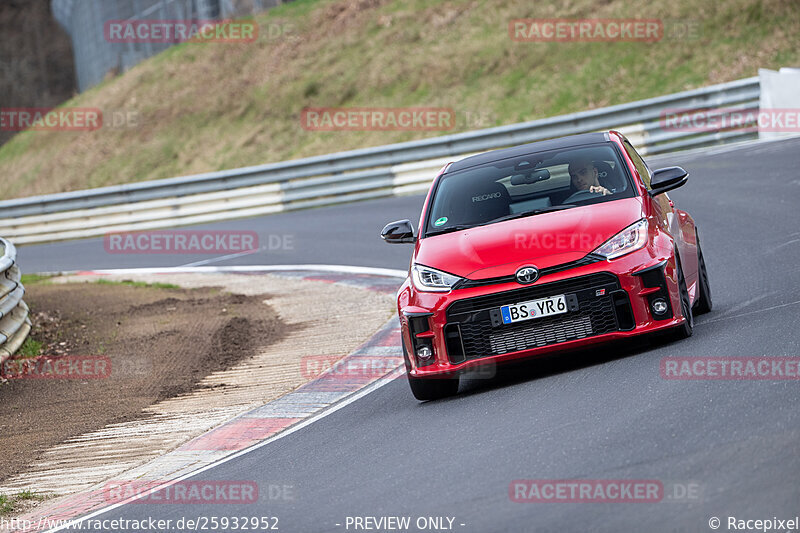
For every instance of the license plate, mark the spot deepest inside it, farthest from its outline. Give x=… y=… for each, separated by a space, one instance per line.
x=553 y=305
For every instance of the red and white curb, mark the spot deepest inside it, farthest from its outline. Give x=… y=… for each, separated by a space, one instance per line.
x=318 y=398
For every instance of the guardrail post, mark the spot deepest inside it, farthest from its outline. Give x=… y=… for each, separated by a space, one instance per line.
x=15 y=324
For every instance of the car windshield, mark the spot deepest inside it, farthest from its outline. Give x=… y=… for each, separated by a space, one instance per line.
x=527 y=185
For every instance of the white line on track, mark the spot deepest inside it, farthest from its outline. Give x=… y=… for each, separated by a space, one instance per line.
x=771 y=308
x=340 y=269
x=745 y=304
x=221 y=258
x=787 y=243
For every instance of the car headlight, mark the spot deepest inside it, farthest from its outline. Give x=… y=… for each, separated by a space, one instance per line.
x=432 y=280
x=626 y=241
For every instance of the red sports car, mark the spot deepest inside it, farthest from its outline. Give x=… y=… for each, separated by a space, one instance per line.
x=547 y=246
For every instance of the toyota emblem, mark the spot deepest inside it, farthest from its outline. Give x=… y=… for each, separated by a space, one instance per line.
x=526 y=275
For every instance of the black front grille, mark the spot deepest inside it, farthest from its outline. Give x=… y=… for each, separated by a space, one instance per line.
x=596 y=315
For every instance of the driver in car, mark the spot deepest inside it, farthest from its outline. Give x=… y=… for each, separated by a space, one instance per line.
x=583 y=175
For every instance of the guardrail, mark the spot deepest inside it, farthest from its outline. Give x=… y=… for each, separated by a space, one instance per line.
x=382 y=171
x=14 y=321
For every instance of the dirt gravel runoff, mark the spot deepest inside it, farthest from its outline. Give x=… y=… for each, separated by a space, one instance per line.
x=159 y=343
x=147 y=446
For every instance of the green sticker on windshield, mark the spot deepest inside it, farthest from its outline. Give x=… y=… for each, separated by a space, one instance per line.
x=440 y=221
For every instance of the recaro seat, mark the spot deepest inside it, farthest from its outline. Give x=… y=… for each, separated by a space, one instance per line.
x=609 y=177
x=474 y=204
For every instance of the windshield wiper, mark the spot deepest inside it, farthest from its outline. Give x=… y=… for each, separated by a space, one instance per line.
x=533 y=212
x=457 y=227
x=539 y=211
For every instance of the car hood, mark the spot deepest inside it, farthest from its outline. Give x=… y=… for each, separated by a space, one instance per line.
x=541 y=240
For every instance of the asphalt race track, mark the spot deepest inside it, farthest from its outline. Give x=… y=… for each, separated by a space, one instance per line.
x=605 y=414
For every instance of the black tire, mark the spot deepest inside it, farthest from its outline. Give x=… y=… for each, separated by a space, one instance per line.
x=703 y=303
x=684 y=331
x=425 y=389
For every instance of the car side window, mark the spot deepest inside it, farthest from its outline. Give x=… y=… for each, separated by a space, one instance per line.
x=638 y=162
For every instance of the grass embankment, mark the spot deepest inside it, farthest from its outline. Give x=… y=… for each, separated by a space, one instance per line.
x=206 y=107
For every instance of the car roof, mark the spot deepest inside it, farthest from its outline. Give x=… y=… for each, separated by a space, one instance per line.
x=524 y=149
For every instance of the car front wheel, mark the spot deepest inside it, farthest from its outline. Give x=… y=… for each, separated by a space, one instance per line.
x=684 y=330
x=703 y=303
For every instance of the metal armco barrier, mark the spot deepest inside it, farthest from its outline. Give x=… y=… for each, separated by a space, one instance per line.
x=14 y=321
x=395 y=169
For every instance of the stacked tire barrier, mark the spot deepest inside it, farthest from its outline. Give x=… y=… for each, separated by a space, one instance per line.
x=15 y=324
x=378 y=172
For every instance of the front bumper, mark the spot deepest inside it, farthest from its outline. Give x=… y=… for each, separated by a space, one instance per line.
x=608 y=300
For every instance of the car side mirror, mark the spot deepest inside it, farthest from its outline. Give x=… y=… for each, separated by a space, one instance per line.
x=666 y=179
x=399 y=232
